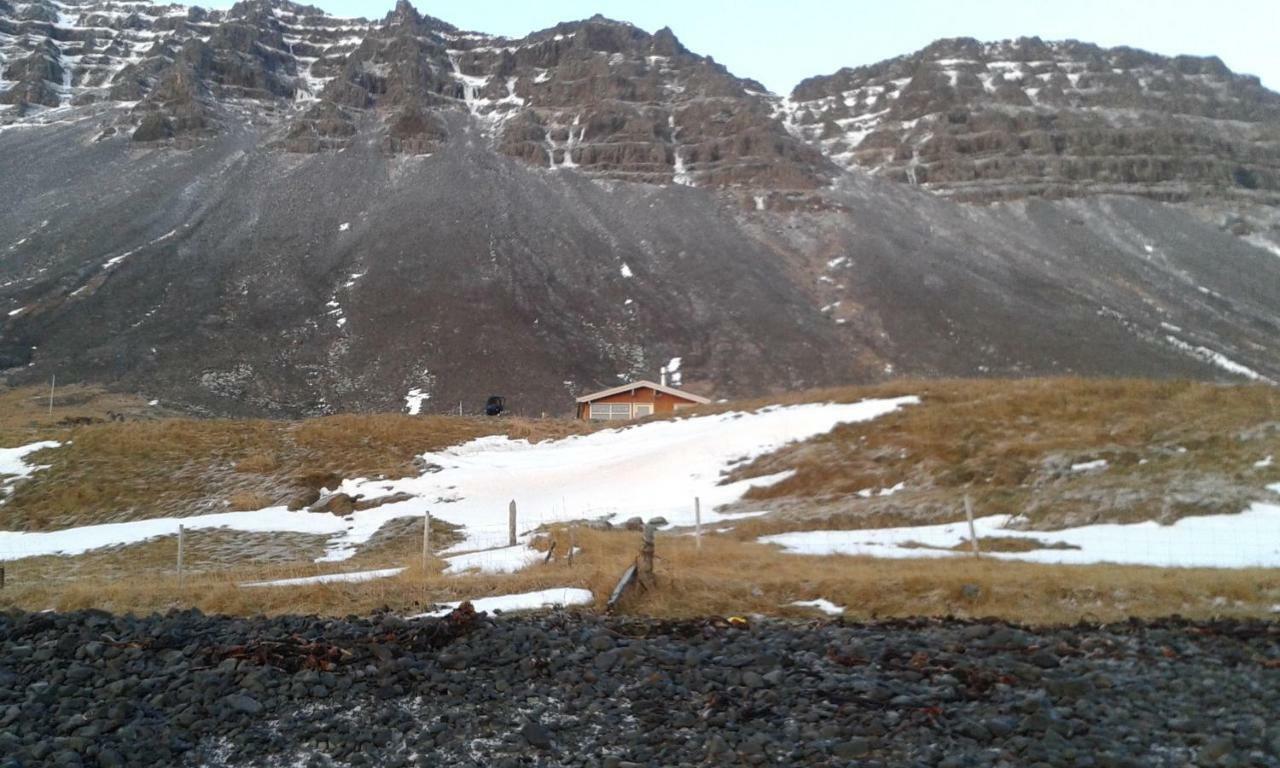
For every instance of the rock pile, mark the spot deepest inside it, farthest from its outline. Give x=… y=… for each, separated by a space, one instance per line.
x=90 y=688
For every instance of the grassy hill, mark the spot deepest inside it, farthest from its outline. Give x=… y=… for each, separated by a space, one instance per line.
x=1172 y=449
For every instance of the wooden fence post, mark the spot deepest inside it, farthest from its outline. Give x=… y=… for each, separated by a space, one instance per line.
x=511 y=523
x=181 y=536
x=646 y=556
x=697 y=522
x=973 y=534
x=573 y=544
x=426 y=539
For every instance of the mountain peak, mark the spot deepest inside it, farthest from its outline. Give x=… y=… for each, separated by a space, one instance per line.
x=1013 y=118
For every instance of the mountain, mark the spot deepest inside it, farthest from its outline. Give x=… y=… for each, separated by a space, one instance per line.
x=990 y=121
x=269 y=210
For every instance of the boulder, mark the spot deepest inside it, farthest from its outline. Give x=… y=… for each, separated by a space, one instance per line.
x=304 y=499
x=339 y=504
x=363 y=504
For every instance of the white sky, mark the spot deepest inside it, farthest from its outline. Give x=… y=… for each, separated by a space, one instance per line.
x=782 y=42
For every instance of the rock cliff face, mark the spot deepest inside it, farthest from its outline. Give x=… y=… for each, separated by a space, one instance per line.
x=598 y=96
x=1025 y=118
x=268 y=210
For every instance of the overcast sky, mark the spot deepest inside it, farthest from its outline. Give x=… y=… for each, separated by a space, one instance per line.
x=780 y=42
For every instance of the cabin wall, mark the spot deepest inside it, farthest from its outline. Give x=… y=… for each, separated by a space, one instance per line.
x=661 y=401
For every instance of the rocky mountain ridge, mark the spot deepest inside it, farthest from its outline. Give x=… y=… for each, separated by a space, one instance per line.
x=977 y=121
x=988 y=121
x=598 y=96
x=269 y=210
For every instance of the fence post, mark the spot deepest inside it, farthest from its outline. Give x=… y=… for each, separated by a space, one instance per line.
x=52 y=380
x=573 y=544
x=697 y=522
x=426 y=539
x=181 y=536
x=646 y=556
x=973 y=534
x=511 y=523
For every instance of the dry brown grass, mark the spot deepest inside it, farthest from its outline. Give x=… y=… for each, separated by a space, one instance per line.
x=25 y=417
x=246 y=501
x=986 y=438
x=176 y=466
x=725 y=577
x=992 y=438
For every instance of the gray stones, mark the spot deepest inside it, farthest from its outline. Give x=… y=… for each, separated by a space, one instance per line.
x=605 y=661
x=548 y=690
x=242 y=703
x=536 y=735
x=1045 y=660
x=851 y=749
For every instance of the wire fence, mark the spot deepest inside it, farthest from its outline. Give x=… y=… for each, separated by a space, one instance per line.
x=1250 y=539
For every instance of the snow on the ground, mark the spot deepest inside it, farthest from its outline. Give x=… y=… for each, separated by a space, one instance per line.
x=867 y=493
x=1217 y=358
x=626 y=270
x=413 y=401
x=821 y=604
x=76 y=541
x=503 y=560
x=1089 y=466
x=1261 y=241
x=526 y=601
x=14 y=465
x=1245 y=540
x=648 y=470
x=328 y=578
x=1264 y=463
x=344 y=226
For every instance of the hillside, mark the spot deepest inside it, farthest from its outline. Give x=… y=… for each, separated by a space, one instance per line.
x=268 y=211
x=1046 y=463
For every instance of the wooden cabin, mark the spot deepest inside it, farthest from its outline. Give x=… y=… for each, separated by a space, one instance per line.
x=635 y=401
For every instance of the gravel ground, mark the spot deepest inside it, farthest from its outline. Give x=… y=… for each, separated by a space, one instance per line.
x=90 y=688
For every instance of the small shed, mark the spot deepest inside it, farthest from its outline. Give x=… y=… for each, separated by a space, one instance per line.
x=635 y=401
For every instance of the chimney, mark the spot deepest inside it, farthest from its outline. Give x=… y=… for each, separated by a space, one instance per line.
x=662 y=376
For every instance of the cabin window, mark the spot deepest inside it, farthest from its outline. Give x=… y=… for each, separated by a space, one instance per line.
x=643 y=409
x=611 y=411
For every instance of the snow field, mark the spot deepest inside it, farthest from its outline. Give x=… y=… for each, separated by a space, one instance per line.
x=1250 y=539
x=646 y=470
x=329 y=578
x=14 y=465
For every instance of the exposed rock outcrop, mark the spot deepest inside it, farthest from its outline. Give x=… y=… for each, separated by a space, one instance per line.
x=985 y=121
